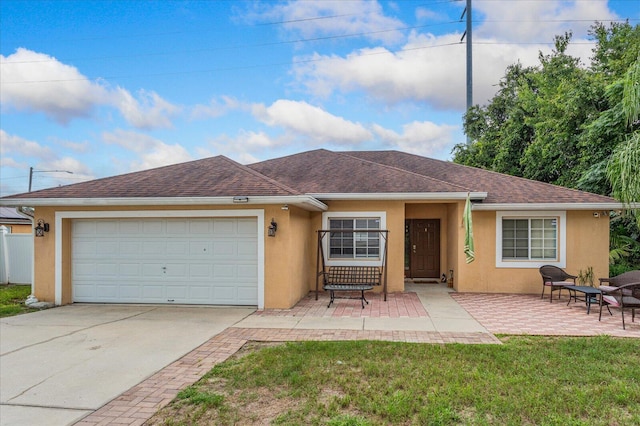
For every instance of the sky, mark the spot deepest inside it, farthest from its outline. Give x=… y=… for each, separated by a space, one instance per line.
x=97 y=88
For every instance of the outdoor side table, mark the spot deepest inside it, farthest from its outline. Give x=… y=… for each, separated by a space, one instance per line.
x=590 y=294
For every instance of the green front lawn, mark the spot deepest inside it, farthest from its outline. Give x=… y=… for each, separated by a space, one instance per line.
x=12 y=299
x=527 y=380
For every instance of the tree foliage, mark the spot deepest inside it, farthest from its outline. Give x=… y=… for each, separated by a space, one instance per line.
x=559 y=121
x=568 y=123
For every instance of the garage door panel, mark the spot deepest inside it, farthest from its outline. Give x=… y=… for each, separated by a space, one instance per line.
x=199 y=227
x=129 y=227
x=247 y=227
x=84 y=248
x=200 y=271
x=107 y=248
x=224 y=227
x=226 y=294
x=127 y=248
x=129 y=270
x=246 y=294
x=80 y=228
x=177 y=227
x=83 y=269
x=154 y=248
x=107 y=227
x=153 y=227
x=197 y=261
x=247 y=248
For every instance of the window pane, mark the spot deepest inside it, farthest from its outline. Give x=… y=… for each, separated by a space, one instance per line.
x=341 y=244
x=534 y=238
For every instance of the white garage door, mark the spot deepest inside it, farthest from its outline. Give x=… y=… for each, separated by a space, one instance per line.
x=155 y=260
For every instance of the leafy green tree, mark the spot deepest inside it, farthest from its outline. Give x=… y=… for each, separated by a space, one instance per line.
x=623 y=169
x=560 y=121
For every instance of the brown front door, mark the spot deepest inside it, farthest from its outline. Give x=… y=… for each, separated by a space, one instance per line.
x=424 y=248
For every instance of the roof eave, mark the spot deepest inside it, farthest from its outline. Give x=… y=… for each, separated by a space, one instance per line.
x=548 y=206
x=401 y=196
x=303 y=201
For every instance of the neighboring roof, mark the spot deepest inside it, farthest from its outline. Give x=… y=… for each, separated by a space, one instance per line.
x=11 y=216
x=308 y=178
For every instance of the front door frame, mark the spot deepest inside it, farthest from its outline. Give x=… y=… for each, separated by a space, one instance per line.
x=418 y=243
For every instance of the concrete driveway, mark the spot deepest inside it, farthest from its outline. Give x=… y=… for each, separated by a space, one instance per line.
x=58 y=365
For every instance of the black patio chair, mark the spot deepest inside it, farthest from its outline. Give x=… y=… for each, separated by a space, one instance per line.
x=556 y=279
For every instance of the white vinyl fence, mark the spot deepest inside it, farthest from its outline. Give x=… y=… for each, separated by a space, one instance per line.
x=16 y=258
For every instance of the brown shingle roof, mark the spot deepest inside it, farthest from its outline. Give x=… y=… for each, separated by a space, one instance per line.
x=320 y=172
x=501 y=188
x=209 y=177
x=327 y=172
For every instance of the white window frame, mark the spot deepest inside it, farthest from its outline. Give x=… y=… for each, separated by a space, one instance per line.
x=561 y=259
x=359 y=215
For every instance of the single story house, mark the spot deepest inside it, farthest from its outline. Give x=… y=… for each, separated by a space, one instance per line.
x=203 y=232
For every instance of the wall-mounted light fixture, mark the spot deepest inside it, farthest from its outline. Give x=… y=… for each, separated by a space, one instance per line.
x=41 y=228
x=272 y=228
x=240 y=199
x=285 y=207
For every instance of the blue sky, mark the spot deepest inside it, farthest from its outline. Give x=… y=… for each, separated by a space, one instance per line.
x=100 y=88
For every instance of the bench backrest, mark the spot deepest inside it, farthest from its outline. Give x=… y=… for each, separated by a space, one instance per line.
x=353 y=275
x=626 y=278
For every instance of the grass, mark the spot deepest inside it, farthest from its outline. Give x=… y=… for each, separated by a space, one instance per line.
x=527 y=380
x=12 y=299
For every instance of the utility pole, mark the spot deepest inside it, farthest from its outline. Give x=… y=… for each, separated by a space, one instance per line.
x=469 y=37
x=31 y=172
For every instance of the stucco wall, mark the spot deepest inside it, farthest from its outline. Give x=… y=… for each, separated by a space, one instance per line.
x=587 y=245
x=287 y=257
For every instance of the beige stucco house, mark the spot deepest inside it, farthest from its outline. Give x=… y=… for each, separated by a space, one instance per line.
x=198 y=232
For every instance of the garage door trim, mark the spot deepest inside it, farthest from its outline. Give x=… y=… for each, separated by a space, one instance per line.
x=60 y=216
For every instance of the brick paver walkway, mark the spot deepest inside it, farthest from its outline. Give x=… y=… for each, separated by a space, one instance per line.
x=498 y=313
x=528 y=314
x=397 y=305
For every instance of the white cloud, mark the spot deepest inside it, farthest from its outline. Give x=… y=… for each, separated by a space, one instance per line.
x=243 y=147
x=430 y=69
x=536 y=21
x=151 y=152
x=38 y=82
x=149 y=111
x=346 y=17
x=312 y=122
x=217 y=108
x=418 y=137
x=15 y=145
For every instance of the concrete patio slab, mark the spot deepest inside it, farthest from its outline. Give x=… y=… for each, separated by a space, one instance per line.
x=68 y=361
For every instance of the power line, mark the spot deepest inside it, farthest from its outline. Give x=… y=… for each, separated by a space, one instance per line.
x=240 y=46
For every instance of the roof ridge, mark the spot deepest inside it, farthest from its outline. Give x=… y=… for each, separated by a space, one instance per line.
x=260 y=175
x=346 y=153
